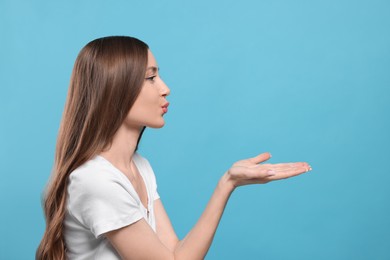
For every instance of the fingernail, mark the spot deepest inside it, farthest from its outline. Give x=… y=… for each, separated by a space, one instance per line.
x=270 y=155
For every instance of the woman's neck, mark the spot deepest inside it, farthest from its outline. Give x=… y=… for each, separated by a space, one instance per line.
x=122 y=148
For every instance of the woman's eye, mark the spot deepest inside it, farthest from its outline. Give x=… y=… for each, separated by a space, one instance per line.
x=151 y=78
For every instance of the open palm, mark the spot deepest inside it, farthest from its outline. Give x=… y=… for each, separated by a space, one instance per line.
x=251 y=171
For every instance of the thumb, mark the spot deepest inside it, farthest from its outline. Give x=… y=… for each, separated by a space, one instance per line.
x=260 y=158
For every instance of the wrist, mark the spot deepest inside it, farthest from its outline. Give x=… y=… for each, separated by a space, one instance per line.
x=226 y=184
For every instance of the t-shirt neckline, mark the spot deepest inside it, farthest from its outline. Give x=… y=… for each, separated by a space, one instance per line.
x=138 y=166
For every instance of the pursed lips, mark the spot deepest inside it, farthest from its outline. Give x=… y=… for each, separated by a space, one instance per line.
x=165 y=107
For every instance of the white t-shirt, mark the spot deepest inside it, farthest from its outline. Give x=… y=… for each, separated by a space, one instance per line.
x=101 y=199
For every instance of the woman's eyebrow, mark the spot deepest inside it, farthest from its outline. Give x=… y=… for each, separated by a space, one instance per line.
x=153 y=69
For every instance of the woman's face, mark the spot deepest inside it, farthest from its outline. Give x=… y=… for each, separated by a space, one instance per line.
x=151 y=104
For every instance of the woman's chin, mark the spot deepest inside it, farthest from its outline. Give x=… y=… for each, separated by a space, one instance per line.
x=157 y=124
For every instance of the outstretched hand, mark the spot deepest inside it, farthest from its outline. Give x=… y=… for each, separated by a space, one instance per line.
x=250 y=171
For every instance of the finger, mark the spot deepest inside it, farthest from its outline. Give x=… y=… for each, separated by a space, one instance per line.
x=260 y=158
x=288 y=173
x=256 y=174
x=286 y=166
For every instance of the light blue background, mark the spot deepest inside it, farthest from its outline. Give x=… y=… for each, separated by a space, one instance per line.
x=305 y=80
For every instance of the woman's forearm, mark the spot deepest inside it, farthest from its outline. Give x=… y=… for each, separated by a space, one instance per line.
x=197 y=242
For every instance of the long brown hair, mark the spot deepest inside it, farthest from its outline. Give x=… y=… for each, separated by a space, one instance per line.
x=107 y=77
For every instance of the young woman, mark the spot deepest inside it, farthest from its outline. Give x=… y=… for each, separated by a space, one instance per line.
x=102 y=200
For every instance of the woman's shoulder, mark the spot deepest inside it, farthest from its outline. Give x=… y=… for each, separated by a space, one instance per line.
x=93 y=172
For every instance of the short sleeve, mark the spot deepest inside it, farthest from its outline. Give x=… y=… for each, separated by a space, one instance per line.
x=101 y=200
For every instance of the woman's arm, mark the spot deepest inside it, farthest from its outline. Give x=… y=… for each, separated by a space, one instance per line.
x=197 y=242
x=164 y=229
x=138 y=241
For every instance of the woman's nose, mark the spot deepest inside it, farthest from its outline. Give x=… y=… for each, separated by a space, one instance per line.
x=165 y=90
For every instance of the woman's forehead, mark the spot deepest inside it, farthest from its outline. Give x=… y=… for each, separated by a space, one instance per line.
x=151 y=60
